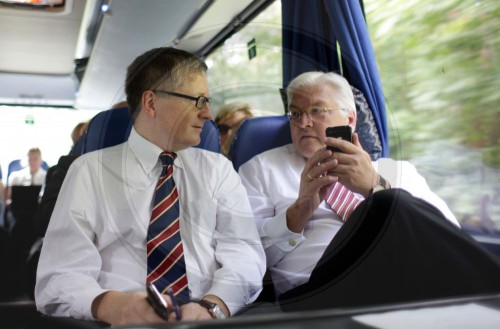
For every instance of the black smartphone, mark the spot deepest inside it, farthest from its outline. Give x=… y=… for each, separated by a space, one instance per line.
x=343 y=132
x=157 y=301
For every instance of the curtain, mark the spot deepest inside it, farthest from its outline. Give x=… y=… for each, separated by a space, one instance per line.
x=311 y=31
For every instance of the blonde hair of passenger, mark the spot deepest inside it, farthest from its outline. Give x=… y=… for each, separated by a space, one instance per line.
x=231 y=108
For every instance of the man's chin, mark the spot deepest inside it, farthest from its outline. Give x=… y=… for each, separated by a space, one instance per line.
x=308 y=152
x=195 y=141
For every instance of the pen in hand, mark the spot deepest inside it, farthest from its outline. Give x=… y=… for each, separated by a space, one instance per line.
x=175 y=305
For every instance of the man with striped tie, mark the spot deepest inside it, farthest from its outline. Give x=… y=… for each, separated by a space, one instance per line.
x=153 y=211
x=302 y=193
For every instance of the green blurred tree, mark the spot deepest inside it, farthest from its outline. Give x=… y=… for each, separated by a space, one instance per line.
x=439 y=65
x=257 y=80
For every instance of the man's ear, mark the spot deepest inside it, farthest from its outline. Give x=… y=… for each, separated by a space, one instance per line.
x=351 y=119
x=148 y=103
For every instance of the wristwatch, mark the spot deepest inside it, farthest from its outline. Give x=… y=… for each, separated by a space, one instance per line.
x=213 y=308
x=382 y=185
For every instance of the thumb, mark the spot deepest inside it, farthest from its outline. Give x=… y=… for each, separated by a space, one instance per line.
x=355 y=140
x=323 y=191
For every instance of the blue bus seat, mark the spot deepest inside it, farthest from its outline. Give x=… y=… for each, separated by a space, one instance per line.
x=77 y=149
x=107 y=128
x=210 y=137
x=14 y=165
x=256 y=135
x=112 y=127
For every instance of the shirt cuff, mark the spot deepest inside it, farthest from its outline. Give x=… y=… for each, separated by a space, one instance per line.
x=280 y=235
x=83 y=308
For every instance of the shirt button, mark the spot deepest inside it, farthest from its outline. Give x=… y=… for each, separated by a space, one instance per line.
x=292 y=242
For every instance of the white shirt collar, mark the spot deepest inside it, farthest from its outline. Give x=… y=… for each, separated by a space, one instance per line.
x=147 y=153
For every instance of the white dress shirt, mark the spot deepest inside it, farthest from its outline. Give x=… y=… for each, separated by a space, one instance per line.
x=96 y=239
x=24 y=177
x=272 y=181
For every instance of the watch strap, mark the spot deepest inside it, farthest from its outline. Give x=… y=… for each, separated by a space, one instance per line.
x=383 y=184
x=213 y=308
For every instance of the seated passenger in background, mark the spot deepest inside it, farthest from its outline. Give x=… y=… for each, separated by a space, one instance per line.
x=33 y=174
x=20 y=212
x=79 y=131
x=291 y=187
x=76 y=137
x=228 y=119
x=152 y=210
x=119 y=105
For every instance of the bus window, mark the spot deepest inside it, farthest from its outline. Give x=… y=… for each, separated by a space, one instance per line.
x=437 y=64
x=247 y=67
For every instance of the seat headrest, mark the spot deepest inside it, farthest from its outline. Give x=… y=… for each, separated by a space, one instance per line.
x=257 y=135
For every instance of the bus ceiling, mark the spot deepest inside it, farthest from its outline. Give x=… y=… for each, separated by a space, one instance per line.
x=67 y=55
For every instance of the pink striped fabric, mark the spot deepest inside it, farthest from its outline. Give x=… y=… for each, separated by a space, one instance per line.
x=342 y=200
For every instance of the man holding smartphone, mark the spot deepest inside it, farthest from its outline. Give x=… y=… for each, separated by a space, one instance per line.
x=290 y=187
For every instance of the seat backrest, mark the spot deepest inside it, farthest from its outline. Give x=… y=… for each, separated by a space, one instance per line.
x=112 y=127
x=256 y=135
x=107 y=128
x=14 y=165
x=77 y=148
x=210 y=137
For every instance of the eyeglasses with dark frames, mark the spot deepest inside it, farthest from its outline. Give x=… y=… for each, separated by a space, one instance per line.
x=201 y=101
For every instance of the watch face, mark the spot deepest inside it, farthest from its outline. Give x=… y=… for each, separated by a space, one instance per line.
x=217 y=312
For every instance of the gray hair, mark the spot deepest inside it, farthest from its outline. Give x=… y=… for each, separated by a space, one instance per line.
x=344 y=97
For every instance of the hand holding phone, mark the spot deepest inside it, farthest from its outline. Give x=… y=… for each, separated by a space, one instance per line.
x=157 y=301
x=175 y=305
x=342 y=132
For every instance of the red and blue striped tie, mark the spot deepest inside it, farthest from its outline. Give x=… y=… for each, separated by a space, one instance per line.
x=342 y=200
x=166 y=266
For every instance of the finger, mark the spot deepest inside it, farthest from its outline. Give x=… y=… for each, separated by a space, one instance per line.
x=150 y=316
x=327 y=166
x=309 y=177
x=337 y=143
x=320 y=157
x=355 y=140
x=321 y=169
x=172 y=317
x=321 y=181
